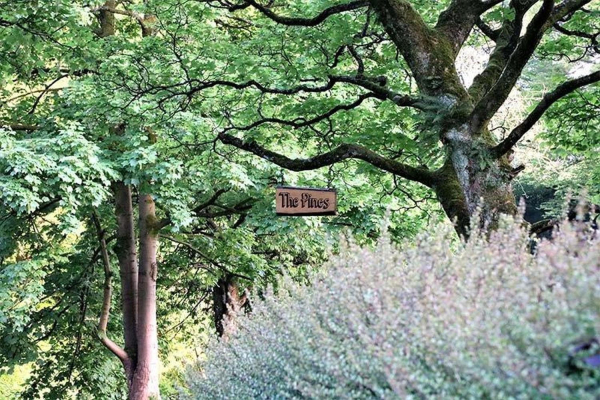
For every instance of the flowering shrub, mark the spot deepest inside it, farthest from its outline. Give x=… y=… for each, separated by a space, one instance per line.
x=432 y=318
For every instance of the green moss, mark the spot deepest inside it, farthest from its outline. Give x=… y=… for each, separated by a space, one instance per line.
x=153 y=224
x=452 y=198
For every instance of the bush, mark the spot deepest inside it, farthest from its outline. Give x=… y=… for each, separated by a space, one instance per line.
x=428 y=319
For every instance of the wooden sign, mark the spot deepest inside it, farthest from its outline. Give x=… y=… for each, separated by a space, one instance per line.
x=305 y=202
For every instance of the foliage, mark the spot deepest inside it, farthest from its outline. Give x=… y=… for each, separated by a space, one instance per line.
x=53 y=177
x=481 y=319
x=66 y=93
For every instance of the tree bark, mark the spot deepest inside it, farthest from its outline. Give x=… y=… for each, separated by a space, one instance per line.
x=107 y=19
x=145 y=379
x=227 y=304
x=125 y=246
x=472 y=180
x=138 y=282
x=125 y=249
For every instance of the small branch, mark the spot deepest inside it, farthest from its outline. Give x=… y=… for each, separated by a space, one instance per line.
x=210 y=201
x=240 y=221
x=543 y=225
x=378 y=89
x=569 y=32
x=373 y=84
x=43 y=91
x=167 y=221
x=592 y=37
x=487 y=30
x=39 y=98
x=359 y=61
x=322 y=16
x=201 y=254
x=300 y=122
x=236 y=209
x=516 y=171
x=105 y=313
x=547 y=101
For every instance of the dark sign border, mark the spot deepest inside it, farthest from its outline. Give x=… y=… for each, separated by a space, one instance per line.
x=323 y=214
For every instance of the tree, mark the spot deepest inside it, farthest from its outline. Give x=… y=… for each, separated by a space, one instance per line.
x=373 y=51
x=75 y=164
x=115 y=110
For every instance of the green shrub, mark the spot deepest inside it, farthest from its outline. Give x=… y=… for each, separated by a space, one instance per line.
x=482 y=319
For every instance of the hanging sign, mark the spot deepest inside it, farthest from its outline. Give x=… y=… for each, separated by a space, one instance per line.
x=305 y=201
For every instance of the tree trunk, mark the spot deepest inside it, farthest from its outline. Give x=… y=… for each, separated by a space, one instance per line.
x=138 y=282
x=471 y=180
x=125 y=249
x=145 y=379
x=227 y=303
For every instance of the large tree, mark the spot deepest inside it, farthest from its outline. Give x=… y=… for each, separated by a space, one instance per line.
x=290 y=67
x=101 y=116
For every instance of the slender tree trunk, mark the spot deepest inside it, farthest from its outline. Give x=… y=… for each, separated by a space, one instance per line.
x=145 y=379
x=128 y=266
x=138 y=282
x=125 y=247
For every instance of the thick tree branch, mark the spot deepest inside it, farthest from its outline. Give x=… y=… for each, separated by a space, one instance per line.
x=564 y=9
x=457 y=21
x=407 y=30
x=343 y=152
x=105 y=313
x=318 y=19
x=491 y=102
x=506 y=38
x=429 y=55
x=125 y=248
x=547 y=101
x=142 y=19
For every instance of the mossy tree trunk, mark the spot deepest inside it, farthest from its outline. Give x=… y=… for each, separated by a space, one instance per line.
x=472 y=180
